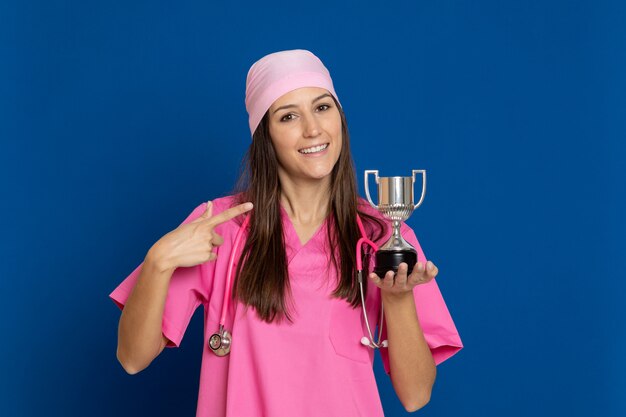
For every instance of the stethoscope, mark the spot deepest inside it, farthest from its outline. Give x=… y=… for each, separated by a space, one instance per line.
x=220 y=342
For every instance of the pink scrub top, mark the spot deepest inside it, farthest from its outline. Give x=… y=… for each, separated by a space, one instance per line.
x=315 y=365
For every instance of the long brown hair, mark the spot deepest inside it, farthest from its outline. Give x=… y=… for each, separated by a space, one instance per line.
x=262 y=279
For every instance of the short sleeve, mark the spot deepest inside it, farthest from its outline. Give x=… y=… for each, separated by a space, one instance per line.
x=433 y=315
x=186 y=291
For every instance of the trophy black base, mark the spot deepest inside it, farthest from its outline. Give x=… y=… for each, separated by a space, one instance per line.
x=388 y=260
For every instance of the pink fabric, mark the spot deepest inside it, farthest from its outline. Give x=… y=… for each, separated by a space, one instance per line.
x=276 y=74
x=311 y=367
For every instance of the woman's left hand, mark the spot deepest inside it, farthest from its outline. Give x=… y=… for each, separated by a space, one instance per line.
x=402 y=283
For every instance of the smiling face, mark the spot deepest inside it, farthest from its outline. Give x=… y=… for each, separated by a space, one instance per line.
x=305 y=127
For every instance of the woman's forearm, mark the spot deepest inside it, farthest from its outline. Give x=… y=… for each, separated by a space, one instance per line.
x=140 y=337
x=412 y=368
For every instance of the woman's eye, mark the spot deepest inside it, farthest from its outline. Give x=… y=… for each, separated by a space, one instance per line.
x=323 y=107
x=287 y=117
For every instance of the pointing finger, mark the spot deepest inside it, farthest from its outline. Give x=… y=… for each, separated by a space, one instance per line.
x=230 y=213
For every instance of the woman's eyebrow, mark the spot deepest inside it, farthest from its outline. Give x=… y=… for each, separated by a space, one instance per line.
x=288 y=106
x=321 y=97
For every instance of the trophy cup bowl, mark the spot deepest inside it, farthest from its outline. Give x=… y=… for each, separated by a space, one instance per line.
x=396 y=204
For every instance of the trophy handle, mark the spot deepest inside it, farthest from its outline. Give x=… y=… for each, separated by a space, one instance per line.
x=367 y=187
x=423 y=172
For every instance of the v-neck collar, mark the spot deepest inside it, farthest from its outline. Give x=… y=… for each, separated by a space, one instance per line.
x=291 y=236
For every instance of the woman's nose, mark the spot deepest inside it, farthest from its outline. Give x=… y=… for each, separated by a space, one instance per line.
x=311 y=127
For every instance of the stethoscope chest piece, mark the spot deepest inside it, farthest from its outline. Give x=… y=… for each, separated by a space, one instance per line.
x=219 y=342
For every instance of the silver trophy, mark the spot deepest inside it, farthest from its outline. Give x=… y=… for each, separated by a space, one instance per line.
x=395 y=203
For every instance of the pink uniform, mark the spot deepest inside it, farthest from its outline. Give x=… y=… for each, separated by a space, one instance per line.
x=314 y=366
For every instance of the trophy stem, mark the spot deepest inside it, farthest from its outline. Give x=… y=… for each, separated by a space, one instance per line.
x=396 y=231
x=396 y=241
x=395 y=251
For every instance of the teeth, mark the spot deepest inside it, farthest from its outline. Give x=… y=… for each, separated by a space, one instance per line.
x=314 y=149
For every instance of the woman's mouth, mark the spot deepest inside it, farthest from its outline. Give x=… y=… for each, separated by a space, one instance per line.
x=314 y=149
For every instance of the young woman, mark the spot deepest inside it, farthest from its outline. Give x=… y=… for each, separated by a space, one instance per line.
x=287 y=242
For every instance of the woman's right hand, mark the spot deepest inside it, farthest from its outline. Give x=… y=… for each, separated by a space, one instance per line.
x=192 y=243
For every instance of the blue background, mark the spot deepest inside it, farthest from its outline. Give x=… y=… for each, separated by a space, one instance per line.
x=118 y=118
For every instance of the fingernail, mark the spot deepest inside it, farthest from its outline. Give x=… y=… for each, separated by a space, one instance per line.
x=248 y=206
x=420 y=266
x=430 y=265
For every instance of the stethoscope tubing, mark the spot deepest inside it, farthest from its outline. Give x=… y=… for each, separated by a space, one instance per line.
x=229 y=272
x=374 y=344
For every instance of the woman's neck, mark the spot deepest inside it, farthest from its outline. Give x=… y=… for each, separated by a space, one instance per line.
x=306 y=202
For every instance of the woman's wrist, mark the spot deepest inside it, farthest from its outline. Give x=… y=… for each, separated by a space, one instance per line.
x=397 y=298
x=158 y=260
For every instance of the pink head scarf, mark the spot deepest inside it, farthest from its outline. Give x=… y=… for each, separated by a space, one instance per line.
x=276 y=74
